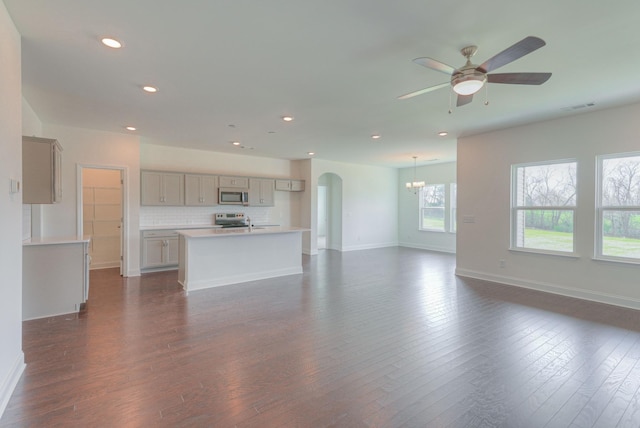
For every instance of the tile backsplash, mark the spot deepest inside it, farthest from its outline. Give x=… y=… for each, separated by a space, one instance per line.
x=176 y=216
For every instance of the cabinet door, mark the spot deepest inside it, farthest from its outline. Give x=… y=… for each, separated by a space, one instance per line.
x=152 y=252
x=161 y=188
x=283 y=185
x=173 y=189
x=151 y=188
x=192 y=189
x=57 y=173
x=170 y=251
x=41 y=171
x=261 y=192
x=201 y=190
x=297 y=185
x=209 y=190
x=239 y=182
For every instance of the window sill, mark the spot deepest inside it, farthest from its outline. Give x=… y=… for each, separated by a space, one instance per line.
x=611 y=260
x=545 y=253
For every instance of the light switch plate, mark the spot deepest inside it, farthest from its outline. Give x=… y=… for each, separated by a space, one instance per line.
x=15 y=185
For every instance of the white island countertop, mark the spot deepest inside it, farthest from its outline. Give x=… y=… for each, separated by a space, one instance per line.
x=238 y=231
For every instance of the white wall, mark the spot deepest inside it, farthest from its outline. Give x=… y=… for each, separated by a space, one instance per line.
x=287 y=204
x=11 y=356
x=408 y=208
x=484 y=163
x=103 y=149
x=369 y=204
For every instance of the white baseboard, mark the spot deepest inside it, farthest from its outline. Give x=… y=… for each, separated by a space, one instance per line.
x=10 y=382
x=610 y=299
x=427 y=247
x=369 y=246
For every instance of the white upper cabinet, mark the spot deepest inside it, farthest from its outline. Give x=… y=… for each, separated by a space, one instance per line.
x=41 y=171
x=201 y=190
x=161 y=188
x=261 y=192
x=290 y=185
x=238 y=182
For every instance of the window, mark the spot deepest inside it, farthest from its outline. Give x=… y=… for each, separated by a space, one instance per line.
x=434 y=208
x=543 y=206
x=618 y=208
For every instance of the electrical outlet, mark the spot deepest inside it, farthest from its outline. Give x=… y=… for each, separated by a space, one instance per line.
x=502 y=263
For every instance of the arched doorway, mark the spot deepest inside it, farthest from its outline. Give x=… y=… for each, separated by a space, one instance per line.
x=329 y=217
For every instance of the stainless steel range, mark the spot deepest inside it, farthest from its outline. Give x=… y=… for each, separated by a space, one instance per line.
x=230 y=220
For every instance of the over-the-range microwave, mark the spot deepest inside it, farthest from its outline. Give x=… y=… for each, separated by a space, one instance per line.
x=230 y=196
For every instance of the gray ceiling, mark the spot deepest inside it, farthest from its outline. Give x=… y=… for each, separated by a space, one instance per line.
x=229 y=70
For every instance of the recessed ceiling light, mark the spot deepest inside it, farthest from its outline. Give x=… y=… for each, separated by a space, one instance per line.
x=150 y=89
x=375 y=136
x=287 y=118
x=235 y=143
x=311 y=153
x=130 y=128
x=112 y=43
x=443 y=133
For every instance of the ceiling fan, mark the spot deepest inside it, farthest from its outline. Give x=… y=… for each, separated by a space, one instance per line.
x=470 y=78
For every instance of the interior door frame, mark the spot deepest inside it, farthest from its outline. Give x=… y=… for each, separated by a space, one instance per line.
x=124 y=230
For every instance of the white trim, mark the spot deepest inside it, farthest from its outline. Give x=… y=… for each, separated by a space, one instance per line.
x=427 y=247
x=124 y=171
x=10 y=382
x=368 y=246
x=600 y=210
x=593 y=296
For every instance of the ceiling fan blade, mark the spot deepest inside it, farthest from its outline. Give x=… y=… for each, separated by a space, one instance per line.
x=435 y=65
x=464 y=100
x=512 y=53
x=519 y=78
x=423 y=91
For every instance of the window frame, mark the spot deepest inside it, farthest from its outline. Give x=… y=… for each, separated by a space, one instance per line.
x=600 y=209
x=515 y=209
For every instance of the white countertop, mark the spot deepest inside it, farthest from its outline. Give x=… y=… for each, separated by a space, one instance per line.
x=239 y=231
x=56 y=240
x=179 y=226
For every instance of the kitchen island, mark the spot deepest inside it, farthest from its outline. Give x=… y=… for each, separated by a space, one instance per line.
x=214 y=257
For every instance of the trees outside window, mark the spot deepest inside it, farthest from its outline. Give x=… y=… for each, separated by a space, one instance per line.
x=543 y=206
x=438 y=208
x=618 y=209
x=432 y=207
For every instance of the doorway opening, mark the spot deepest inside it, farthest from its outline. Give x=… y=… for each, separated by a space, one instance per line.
x=329 y=204
x=100 y=215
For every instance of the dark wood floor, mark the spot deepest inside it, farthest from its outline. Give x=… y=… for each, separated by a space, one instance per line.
x=377 y=338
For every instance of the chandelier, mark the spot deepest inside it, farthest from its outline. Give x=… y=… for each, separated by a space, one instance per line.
x=414 y=185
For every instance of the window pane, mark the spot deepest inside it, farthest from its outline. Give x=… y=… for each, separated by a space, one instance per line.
x=621 y=234
x=550 y=230
x=433 y=195
x=621 y=181
x=546 y=185
x=433 y=218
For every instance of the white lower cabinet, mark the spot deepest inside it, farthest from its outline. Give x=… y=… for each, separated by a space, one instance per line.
x=55 y=278
x=159 y=249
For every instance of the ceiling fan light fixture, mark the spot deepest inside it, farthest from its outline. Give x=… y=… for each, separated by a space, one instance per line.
x=468 y=82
